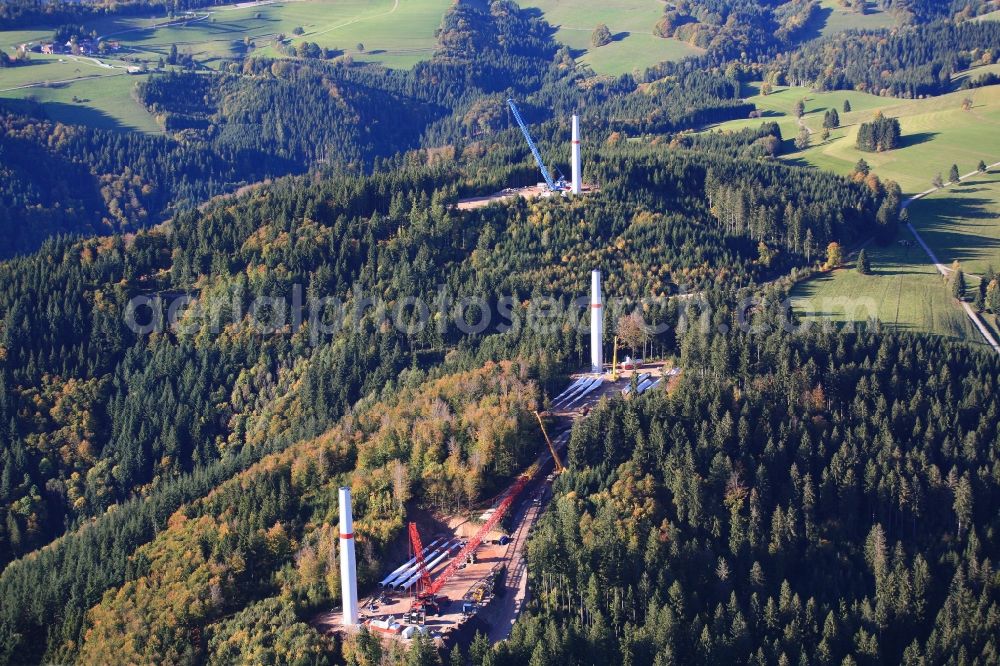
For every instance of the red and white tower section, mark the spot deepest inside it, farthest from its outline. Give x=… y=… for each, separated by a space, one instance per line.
x=348 y=564
x=576 y=184
x=596 y=323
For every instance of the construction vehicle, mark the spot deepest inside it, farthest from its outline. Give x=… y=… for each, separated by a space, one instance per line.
x=427 y=598
x=415 y=617
x=552 y=448
x=552 y=186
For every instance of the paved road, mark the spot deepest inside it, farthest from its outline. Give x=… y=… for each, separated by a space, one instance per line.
x=944 y=270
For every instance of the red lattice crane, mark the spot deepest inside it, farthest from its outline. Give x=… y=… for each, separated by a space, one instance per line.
x=427 y=596
x=418 y=552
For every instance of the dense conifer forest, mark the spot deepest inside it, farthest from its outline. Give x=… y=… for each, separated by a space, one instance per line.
x=809 y=499
x=168 y=495
x=29 y=13
x=100 y=416
x=911 y=62
x=880 y=134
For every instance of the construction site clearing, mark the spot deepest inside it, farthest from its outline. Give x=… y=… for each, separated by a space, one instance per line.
x=529 y=192
x=553 y=184
x=488 y=590
x=474 y=576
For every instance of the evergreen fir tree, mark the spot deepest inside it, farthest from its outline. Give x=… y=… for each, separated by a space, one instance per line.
x=958 y=285
x=802 y=140
x=863 y=265
x=993 y=296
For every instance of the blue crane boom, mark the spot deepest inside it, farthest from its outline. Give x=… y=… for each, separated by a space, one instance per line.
x=531 y=144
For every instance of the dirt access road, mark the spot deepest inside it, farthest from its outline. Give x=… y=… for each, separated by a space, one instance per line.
x=944 y=270
x=505 y=609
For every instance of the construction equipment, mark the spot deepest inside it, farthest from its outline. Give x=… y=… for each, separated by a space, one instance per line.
x=427 y=598
x=553 y=185
x=614 y=362
x=552 y=448
x=418 y=552
x=415 y=617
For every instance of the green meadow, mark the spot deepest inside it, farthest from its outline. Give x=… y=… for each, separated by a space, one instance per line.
x=962 y=222
x=631 y=22
x=397 y=33
x=936 y=132
x=904 y=292
x=833 y=18
x=104 y=102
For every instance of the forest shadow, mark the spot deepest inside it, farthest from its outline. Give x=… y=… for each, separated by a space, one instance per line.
x=70 y=114
x=619 y=36
x=788 y=150
x=813 y=29
x=958 y=208
x=907 y=140
x=959 y=226
x=31 y=63
x=977 y=184
x=536 y=13
x=136 y=35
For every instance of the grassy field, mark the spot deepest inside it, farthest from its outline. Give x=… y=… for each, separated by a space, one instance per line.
x=777 y=107
x=45 y=70
x=630 y=21
x=833 y=18
x=976 y=72
x=937 y=132
x=962 y=223
x=398 y=33
x=104 y=102
x=103 y=92
x=904 y=292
